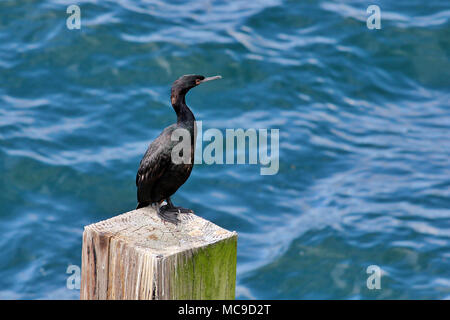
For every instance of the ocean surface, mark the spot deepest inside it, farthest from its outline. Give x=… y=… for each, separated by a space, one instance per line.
x=364 y=137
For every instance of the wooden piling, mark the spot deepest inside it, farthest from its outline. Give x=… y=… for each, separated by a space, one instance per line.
x=136 y=255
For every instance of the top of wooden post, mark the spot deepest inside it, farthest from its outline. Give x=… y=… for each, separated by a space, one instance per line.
x=144 y=229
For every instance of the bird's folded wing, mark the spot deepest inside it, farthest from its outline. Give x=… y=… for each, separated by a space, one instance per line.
x=152 y=167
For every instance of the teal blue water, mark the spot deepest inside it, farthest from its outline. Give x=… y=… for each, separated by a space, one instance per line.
x=364 y=120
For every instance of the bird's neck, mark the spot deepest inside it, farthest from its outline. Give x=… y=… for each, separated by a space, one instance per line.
x=184 y=114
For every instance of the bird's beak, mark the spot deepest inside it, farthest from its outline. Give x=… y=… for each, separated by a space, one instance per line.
x=210 y=78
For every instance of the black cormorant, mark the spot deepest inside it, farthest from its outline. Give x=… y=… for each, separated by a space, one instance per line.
x=158 y=177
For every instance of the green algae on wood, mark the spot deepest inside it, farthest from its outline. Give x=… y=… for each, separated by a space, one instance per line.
x=211 y=271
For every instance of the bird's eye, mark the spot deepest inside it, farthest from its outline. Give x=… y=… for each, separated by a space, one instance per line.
x=197 y=81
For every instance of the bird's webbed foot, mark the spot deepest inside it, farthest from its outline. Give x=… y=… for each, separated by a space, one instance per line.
x=172 y=207
x=180 y=210
x=168 y=214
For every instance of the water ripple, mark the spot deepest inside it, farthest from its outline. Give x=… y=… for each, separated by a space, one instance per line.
x=364 y=145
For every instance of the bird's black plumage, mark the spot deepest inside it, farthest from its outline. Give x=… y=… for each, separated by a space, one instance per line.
x=159 y=177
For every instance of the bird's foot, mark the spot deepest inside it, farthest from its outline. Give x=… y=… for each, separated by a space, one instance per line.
x=168 y=214
x=172 y=207
x=181 y=210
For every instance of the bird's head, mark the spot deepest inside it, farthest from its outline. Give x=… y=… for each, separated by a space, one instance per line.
x=184 y=83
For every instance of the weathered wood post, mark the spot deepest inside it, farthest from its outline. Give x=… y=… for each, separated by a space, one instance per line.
x=136 y=255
